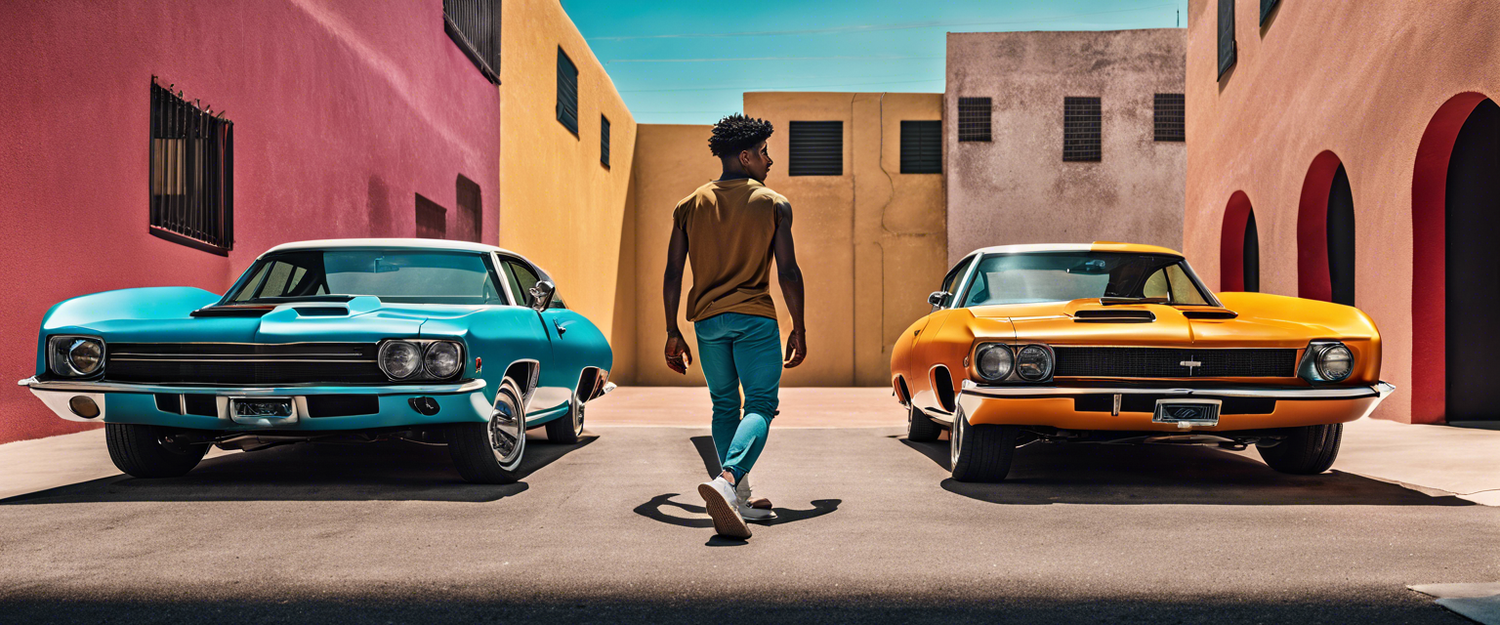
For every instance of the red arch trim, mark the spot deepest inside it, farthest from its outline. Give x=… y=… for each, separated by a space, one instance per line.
x=1232 y=243
x=1313 y=281
x=1429 y=184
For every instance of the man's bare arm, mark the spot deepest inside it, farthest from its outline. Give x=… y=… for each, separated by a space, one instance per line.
x=790 y=277
x=677 y=352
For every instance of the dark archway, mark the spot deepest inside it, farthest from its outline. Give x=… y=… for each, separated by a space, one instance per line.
x=1325 y=233
x=1239 y=246
x=1454 y=195
x=1473 y=267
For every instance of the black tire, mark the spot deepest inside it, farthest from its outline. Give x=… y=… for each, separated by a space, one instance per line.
x=1307 y=451
x=981 y=453
x=920 y=428
x=567 y=428
x=142 y=451
x=477 y=448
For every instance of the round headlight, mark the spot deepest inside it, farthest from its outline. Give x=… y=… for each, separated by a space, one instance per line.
x=1034 y=363
x=442 y=359
x=399 y=359
x=85 y=356
x=1335 y=363
x=993 y=362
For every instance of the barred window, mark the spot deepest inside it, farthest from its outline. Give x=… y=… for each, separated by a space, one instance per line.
x=604 y=140
x=816 y=149
x=1081 y=125
x=475 y=26
x=567 y=91
x=1169 y=117
x=1226 y=36
x=192 y=173
x=973 y=119
x=921 y=147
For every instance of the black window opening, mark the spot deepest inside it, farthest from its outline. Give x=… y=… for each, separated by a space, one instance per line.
x=1266 y=6
x=432 y=219
x=1341 y=239
x=1250 y=255
x=192 y=173
x=475 y=26
x=816 y=149
x=922 y=147
x=1226 y=36
x=470 y=220
x=973 y=119
x=1169 y=117
x=1081 y=126
x=604 y=140
x=567 y=92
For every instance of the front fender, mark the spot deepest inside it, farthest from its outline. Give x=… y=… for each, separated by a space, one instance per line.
x=80 y=314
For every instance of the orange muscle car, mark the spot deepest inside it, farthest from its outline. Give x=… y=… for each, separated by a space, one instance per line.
x=1121 y=343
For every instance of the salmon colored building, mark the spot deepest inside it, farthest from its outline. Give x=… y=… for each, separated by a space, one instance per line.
x=1351 y=153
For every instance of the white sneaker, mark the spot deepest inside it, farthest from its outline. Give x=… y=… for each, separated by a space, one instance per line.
x=723 y=504
x=750 y=508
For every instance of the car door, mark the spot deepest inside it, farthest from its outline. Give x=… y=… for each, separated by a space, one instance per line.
x=558 y=377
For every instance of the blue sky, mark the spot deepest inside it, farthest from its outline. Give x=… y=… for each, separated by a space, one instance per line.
x=680 y=62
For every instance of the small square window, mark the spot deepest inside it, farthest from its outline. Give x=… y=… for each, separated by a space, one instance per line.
x=815 y=149
x=1081 y=126
x=921 y=147
x=474 y=26
x=432 y=219
x=973 y=119
x=1168 y=117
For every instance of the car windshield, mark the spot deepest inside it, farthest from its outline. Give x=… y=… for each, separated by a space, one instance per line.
x=401 y=276
x=1032 y=277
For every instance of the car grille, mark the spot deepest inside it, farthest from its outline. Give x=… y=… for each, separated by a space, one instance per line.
x=1147 y=362
x=243 y=364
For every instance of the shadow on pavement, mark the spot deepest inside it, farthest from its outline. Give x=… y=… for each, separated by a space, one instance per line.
x=387 y=471
x=654 y=509
x=1159 y=474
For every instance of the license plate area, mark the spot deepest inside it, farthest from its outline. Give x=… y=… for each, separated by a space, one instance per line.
x=1187 y=413
x=262 y=410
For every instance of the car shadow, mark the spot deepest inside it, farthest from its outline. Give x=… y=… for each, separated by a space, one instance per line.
x=386 y=471
x=1159 y=474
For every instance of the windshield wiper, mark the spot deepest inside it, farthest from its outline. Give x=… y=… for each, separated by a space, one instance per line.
x=1117 y=301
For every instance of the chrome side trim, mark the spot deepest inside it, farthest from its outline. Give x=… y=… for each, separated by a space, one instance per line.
x=255 y=391
x=1379 y=390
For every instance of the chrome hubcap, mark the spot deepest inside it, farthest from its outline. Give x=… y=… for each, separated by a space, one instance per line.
x=507 y=434
x=578 y=417
x=956 y=436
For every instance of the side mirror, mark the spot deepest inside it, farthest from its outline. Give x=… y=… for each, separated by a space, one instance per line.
x=939 y=299
x=541 y=295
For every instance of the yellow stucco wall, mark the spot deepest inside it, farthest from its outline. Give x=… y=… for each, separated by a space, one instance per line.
x=871 y=243
x=559 y=206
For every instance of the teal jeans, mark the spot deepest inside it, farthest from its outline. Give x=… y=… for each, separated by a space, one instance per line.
x=740 y=351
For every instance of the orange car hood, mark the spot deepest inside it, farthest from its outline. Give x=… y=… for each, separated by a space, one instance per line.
x=1259 y=320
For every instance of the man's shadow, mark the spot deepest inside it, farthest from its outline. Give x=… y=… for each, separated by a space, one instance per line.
x=657 y=507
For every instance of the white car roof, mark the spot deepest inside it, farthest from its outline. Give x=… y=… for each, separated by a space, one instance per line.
x=1096 y=246
x=417 y=244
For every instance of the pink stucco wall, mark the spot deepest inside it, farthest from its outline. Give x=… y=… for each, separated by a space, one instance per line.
x=343 y=111
x=1365 y=83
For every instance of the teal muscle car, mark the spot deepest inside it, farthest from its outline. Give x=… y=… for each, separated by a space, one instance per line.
x=430 y=341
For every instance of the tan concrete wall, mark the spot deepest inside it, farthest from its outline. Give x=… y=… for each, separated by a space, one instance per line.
x=871 y=243
x=1319 y=76
x=558 y=205
x=1016 y=188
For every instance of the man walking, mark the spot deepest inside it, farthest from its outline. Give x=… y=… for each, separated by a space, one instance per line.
x=731 y=228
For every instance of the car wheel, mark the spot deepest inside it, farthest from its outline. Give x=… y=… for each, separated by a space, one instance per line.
x=980 y=453
x=567 y=428
x=920 y=428
x=1307 y=451
x=491 y=452
x=146 y=451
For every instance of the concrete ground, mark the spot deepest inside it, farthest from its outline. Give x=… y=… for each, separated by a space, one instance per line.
x=610 y=529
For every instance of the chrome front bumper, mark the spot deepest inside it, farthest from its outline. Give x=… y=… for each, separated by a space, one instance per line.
x=251 y=391
x=1379 y=390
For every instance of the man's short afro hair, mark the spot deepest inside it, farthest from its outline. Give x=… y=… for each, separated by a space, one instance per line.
x=736 y=133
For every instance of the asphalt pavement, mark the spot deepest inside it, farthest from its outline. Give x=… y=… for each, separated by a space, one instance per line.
x=611 y=530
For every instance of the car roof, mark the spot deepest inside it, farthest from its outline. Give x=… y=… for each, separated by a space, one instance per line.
x=1096 y=246
x=409 y=244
